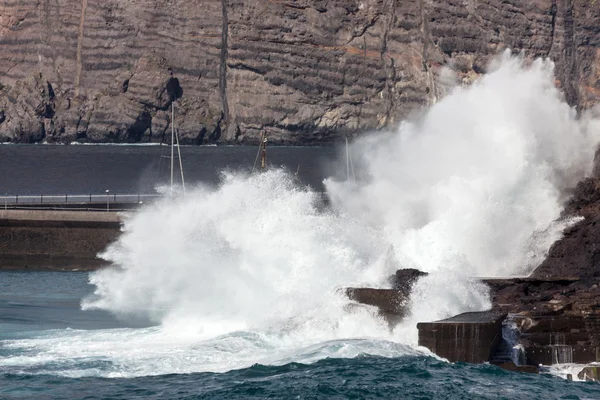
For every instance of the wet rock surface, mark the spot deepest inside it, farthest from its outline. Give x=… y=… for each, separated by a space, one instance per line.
x=578 y=252
x=404 y=279
x=473 y=337
x=591 y=373
x=392 y=304
x=306 y=72
x=555 y=313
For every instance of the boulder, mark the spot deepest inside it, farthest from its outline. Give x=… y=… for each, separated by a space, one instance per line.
x=392 y=304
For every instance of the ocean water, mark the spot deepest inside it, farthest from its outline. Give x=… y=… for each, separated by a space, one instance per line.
x=83 y=169
x=235 y=290
x=51 y=349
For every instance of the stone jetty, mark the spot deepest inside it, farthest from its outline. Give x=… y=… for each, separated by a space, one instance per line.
x=55 y=240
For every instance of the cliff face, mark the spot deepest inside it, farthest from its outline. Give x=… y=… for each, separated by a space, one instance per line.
x=304 y=71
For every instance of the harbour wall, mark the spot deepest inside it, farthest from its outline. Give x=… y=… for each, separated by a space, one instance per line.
x=55 y=240
x=472 y=337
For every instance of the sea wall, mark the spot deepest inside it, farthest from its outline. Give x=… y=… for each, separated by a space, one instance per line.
x=470 y=337
x=55 y=240
x=304 y=71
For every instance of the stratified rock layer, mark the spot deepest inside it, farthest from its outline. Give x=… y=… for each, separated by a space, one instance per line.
x=303 y=71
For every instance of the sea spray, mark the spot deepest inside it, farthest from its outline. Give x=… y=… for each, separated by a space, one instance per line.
x=473 y=188
x=256 y=253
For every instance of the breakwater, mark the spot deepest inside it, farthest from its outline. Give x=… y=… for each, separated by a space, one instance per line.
x=55 y=240
x=86 y=202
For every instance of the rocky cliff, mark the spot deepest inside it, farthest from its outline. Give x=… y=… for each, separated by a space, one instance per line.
x=304 y=71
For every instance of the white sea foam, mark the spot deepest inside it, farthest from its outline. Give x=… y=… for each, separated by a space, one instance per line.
x=250 y=271
x=475 y=186
x=255 y=252
x=567 y=371
x=123 y=353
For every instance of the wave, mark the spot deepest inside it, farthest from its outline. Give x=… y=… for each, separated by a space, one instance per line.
x=473 y=187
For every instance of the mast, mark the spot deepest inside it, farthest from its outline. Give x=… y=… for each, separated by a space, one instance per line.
x=172 y=140
x=264 y=152
x=349 y=165
x=347 y=162
x=180 y=162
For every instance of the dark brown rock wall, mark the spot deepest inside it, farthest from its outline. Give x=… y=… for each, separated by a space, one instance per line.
x=305 y=71
x=577 y=253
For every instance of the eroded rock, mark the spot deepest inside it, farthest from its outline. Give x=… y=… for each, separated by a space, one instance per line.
x=305 y=72
x=393 y=304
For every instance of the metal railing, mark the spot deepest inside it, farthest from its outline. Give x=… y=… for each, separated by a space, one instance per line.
x=77 y=201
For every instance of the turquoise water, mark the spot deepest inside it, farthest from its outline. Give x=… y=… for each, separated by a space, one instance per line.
x=363 y=377
x=50 y=349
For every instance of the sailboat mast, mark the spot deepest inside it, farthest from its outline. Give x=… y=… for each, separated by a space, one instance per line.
x=180 y=162
x=264 y=152
x=347 y=162
x=172 y=139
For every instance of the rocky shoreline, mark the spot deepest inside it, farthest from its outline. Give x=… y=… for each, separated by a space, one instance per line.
x=551 y=317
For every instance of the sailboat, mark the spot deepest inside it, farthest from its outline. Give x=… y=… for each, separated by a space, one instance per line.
x=349 y=165
x=262 y=152
x=175 y=138
x=175 y=92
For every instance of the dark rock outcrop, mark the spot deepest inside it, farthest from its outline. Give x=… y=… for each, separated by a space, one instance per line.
x=303 y=71
x=392 y=304
x=578 y=252
x=555 y=313
x=555 y=321
x=404 y=279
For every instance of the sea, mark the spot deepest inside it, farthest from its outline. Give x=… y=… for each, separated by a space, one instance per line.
x=51 y=349
x=235 y=287
x=54 y=347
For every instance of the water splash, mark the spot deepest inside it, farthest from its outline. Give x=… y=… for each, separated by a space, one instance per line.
x=255 y=253
x=473 y=188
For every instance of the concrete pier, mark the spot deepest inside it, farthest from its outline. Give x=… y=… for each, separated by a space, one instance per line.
x=471 y=337
x=55 y=240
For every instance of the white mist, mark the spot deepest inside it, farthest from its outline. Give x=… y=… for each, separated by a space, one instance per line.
x=252 y=254
x=252 y=269
x=475 y=186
